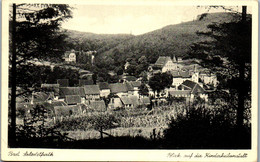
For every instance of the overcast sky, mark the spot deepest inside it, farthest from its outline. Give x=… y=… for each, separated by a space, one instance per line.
x=112 y=19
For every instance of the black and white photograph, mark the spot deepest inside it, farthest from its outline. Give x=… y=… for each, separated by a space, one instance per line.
x=123 y=76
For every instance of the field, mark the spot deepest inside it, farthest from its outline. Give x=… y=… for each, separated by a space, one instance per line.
x=124 y=122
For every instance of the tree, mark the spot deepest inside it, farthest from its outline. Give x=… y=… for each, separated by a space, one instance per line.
x=227 y=51
x=143 y=90
x=34 y=29
x=160 y=81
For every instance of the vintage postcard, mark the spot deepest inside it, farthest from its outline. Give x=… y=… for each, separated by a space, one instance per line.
x=128 y=80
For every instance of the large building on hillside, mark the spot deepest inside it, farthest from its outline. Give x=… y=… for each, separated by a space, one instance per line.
x=165 y=63
x=70 y=56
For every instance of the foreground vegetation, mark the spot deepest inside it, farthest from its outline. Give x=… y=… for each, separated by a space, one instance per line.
x=177 y=126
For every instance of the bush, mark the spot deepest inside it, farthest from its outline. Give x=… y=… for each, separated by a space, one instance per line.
x=206 y=128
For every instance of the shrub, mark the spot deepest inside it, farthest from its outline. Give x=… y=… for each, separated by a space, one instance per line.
x=205 y=128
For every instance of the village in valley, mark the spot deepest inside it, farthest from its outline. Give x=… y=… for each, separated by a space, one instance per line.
x=189 y=81
x=158 y=88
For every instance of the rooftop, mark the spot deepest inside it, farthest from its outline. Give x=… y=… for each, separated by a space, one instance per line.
x=91 y=89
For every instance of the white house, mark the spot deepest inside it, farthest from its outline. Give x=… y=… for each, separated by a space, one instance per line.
x=92 y=92
x=195 y=90
x=104 y=89
x=208 y=78
x=70 y=56
x=165 y=63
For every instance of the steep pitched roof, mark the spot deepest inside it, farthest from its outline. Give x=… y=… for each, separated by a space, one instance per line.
x=129 y=86
x=58 y=103
x=118 y=87
x=126 y=100
x=63 y=82
x=41 y=96
x=195 y=87
x=185 y=74
x=51 y=88
x=91 y=89
x=189 y=84
x=83 y=82
x=175 y=74
x=98 y=105
x=136 y=83
x=64 y=91
x=103 y=85
x=162 y=60
x=72 y=99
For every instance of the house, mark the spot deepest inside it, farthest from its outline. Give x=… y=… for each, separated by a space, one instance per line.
x=208 y=78
x=119 y=89
x=73 y=99
x=63 y=111
x=180 y=94
x=145 y=101
x=67 y=91
x=135 y=101
x=98 y=105
x=92 y=92
x=83 y=82
x=70 y=56
x=127 y=102
x=130 y=101
x=63 y=82
x=51 y=88
x=59 y=103
x=104 y=89
x=130 y=88
x=165 y=63
x=195 y=90
x=115 y=103
x=136 y=85
x=40 y=97
x=179 y=77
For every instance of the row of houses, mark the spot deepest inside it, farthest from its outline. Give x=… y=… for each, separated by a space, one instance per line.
x=182 y=70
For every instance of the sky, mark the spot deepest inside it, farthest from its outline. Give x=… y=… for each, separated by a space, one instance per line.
x=119 y=19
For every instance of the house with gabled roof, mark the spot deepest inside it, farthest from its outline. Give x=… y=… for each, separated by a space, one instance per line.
x=92 y=92
x=127 y=103
x=73 y=99
x=136 y=85
x=119 y=89
x=115 y=103
x=179 y=77
x=104 y=89
x=51 y=88
x=40 y=97
x=165 y=63
x=194 y=88
x=72 y=91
